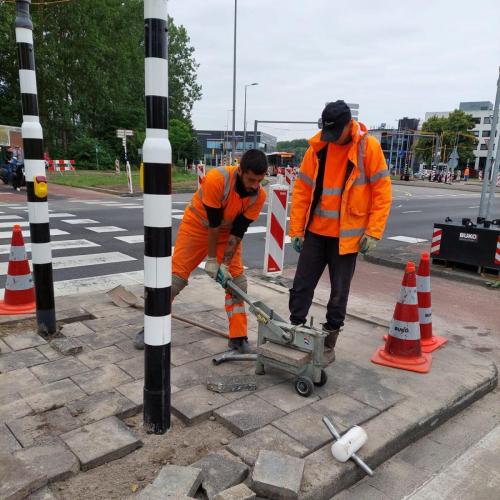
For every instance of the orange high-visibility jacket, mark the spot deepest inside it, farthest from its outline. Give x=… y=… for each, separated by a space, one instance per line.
x=365 y=202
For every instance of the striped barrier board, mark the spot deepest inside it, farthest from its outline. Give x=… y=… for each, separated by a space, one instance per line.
x=61 y=165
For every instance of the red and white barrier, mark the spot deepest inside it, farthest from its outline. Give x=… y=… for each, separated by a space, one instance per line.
x=274 y=252
x=497 y=253
x=290 y=176
x=436 y=241
x=200 y=172
x=480 y=175
x=61 y=165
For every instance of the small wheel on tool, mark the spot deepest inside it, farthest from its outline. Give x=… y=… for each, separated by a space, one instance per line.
x=304 y=386
x=323 y=380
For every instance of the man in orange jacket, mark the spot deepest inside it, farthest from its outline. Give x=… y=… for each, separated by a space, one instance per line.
x=340 y=204
x=228 y=201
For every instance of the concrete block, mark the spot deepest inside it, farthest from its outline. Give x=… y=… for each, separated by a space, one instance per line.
x=284 y=354
x=267 y=438
x=247 y=415
x=18 y=341
x=133 y=366
x=8 y=443
x=133 y=391
x=21 y=359
x=173 y=481
x=76 y=330
x=59 y=369
x=16 y=480
x=102 y=405
x=52 y=395
x=181 y=355
x=101 y=442
x=49 y=352
x=238 y=492
x=230 y=383
x=101 y=357
x=220 y=473
x=101 y=379
x=196 y=404
x=16 y=381
x=98 y=340
x=52 y=459
x=277 y=475
x=67 y=346
x=285 y=397
x=12 y=406
x=36 y=429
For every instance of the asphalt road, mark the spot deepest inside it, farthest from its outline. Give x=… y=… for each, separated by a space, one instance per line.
x=98 y=237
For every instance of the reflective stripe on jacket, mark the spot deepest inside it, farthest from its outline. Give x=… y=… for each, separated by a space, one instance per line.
x=366 y=199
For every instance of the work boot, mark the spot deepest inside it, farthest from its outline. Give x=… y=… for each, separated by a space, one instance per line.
x=139 y=340
x=239 y=344
x=330 y=341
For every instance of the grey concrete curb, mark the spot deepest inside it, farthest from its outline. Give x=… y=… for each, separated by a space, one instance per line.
x=439 y=185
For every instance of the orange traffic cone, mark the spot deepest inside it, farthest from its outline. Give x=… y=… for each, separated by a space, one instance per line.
x=402 y=348
x=19 y=297
x=428 y=341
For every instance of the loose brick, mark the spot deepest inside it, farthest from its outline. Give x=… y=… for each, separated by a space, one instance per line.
x=16 y=480
x=101 y=379
x=54 y=395
x=173 y=481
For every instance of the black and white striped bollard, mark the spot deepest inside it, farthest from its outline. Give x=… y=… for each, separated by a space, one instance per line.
x=34 y=165
x=157 y=156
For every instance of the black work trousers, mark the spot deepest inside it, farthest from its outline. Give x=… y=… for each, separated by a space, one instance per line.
x=317 y=253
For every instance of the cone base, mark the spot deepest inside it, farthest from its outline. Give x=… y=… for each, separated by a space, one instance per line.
x=11 y=310
x=430 y=345
x=419 y=364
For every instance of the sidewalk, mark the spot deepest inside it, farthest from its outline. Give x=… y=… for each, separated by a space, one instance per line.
x=471 y=186
x=60 y=414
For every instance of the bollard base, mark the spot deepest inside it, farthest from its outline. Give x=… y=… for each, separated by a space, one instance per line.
x=46 y=321
x=156 y=411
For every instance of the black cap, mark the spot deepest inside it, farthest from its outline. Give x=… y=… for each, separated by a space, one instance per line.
x=335 y=117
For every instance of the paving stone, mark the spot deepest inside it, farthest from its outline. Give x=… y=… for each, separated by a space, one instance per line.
x=361 y=491
x=17 y=381
x=181 y=355
x=219 y=473
x=195 y=373
x=4 y=347
x=76 y=330
x=247 y=415
x=238 y=492
x=102 y=405
x=59 y=369
x=133 y=366
x=16 y=480
x=110 y=321
x=130 y=330
x=196 y=404
x=21 y=359
x=52 y=459
x=128 y=347
x=173 y=481
x=234 y=383
x=182 y=336
x=18 y=341
x=8 y=443
x=101 y=357
x=67 y=346
x=285 y=397
x=133 y=391
x=212 y=345
x=101 y=442
x=50 y=353
x=284 y=354
x=72 y=315
x=101 y=339
x=13 y=406
x=42 y=494
x=52 y=395
x=101 y=379
x=36 y=429
x=277 y=475
x=267 y=438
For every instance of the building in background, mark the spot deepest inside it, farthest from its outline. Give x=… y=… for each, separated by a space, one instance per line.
x=216 y=145
x=354 y=110
x=482 y=113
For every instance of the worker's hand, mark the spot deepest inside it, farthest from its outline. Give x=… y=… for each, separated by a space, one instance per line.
x=297 y=243
x=223 y=275
x=212 y=267
x=367 y=244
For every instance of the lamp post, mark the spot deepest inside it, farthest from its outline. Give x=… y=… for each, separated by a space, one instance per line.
x=233 y=139
x=245 y=116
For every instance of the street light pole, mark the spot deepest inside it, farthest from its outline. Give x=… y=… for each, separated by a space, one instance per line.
x=233 y=147
x=245 y=116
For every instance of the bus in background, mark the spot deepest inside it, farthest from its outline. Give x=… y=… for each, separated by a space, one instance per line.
x=279 y=160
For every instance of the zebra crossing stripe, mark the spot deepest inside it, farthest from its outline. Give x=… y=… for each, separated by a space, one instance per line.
x=26 y=233
x=56 y=245
x=105 y=229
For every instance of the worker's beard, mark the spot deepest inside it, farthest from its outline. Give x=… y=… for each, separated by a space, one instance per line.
x=251 y=191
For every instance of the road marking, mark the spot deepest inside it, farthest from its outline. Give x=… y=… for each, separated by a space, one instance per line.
x=412 y=212
x=100 y=202
x=177 y=211
x=61 y=214
x=132 y=206
x=256 y=229
x=399 y=206
x=180 y=202
x=105 y=229
x=137 y=238
x=406 y=239
x=10 y=217
x=26 y=233
x=474 y=207
x=55 y=245
x=80 y=221
x=178 y=217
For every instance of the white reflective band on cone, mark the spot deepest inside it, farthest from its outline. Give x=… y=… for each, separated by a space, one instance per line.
x=404 y=330
x=22 y=282
x=423 y=283
x=17 y=254
x=425 y=315
x=408 y=295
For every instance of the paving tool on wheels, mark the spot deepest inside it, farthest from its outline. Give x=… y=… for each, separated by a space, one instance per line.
x=295 y=349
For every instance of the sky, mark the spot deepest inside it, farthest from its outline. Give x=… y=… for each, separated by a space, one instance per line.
x=393 y=58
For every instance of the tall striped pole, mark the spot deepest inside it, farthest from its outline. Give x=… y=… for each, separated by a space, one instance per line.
x=36 y=182
x=157 y=156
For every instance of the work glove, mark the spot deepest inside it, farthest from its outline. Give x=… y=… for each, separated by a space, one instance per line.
x=297 y=243
x=223 y=275
x=367 y=244
x=212 y=267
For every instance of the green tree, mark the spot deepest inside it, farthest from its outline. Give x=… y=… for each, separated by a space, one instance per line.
x=454 y=131
x=296 y=146
x=182 y=139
